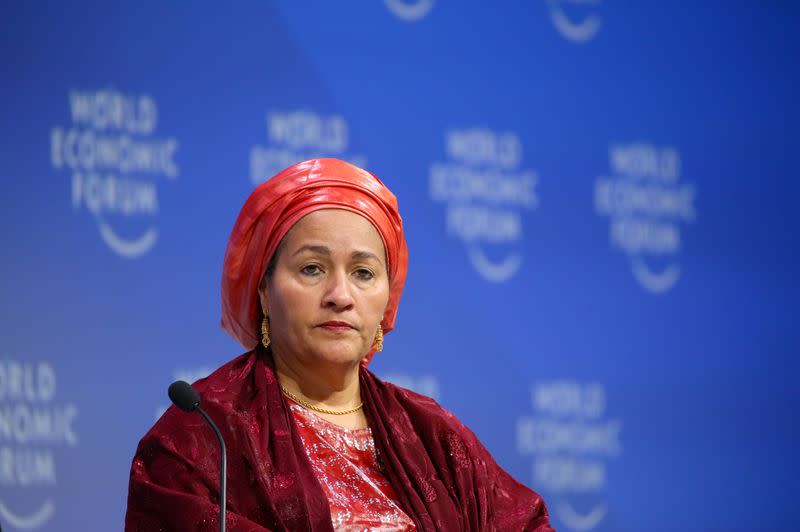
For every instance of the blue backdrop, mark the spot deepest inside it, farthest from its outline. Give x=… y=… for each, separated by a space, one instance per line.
x=599 y=200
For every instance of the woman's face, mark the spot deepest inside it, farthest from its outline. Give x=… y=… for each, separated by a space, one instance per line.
x=328 y=290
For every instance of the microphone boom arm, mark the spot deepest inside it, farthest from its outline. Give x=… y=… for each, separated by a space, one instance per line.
x=223 y=468
x=187 y=399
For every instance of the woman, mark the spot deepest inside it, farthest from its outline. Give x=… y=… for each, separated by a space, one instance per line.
x=312 y=279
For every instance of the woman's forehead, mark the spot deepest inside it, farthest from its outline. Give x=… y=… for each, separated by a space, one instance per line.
x=335 y=229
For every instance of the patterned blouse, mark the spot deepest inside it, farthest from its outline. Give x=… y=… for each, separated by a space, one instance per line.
x=347 y=465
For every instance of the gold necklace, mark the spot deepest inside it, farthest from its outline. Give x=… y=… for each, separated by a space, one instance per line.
x=315 y=408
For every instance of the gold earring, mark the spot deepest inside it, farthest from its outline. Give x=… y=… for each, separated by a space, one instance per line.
x=265 y=332
x=379 y=339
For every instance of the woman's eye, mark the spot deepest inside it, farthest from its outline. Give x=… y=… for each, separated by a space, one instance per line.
x=311 y=269
x=364 y=275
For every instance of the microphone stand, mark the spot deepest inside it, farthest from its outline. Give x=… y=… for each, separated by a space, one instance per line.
x=187 y=399
x=223 y=469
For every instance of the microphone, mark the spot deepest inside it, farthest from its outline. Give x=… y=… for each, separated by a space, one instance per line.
x=184 y=396
x=187 y=399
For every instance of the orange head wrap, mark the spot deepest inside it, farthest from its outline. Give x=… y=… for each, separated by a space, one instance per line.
x=275 y=206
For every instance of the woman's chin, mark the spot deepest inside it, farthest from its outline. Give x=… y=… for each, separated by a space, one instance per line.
x=343 y=353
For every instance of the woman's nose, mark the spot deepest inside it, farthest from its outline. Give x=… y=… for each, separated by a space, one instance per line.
x=339 y=292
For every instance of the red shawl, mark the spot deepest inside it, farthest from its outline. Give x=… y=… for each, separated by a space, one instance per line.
x=444 y=478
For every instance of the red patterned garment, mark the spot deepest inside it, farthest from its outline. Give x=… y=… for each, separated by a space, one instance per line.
x=443 y=478
x=346 y=464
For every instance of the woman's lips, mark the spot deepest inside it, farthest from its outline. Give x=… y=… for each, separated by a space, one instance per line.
x=337 y=326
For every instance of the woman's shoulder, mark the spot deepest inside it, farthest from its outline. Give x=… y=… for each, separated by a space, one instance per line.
x=229 y=378
x=397 y=392
x=420 y=408
x=220 y=392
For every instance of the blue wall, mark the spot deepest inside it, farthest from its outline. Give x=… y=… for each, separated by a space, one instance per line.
x=599 y=201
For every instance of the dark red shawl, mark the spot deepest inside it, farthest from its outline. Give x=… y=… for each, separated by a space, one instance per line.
x=444 y=478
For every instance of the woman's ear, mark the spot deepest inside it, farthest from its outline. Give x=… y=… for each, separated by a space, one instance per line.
x=262 y=295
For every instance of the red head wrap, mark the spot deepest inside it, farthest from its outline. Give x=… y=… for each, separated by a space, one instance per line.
x=275 y=206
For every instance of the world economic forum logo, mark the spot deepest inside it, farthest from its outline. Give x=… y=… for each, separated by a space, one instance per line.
x=576 y=20
x=410 y=10
x=117 y=165
x=571 y=440
x=486 y=193
x=298 y=135
x=36 y=430
x=647 y=204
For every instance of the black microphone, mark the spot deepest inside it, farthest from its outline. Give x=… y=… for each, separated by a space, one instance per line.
x=187 y=399
x=184 y=396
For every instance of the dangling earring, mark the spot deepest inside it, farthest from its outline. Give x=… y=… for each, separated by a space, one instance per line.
x=379 y=339
x=265 y=332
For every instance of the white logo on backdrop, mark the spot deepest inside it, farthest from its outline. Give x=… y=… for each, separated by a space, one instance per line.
x=410 y=10
x=571 y=440
x=116 y=163
x=423 y=384
x=33 y=425
x=486 y=192
x=576 y=20
x=184 y=374
x=646 y=204
x=300 y=135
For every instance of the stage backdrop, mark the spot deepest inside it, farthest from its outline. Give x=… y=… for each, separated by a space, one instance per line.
x=600 y=204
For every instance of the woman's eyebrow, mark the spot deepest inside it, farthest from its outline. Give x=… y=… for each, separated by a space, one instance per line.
x=362 y=255
x=325 y=250
x=322 y=250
